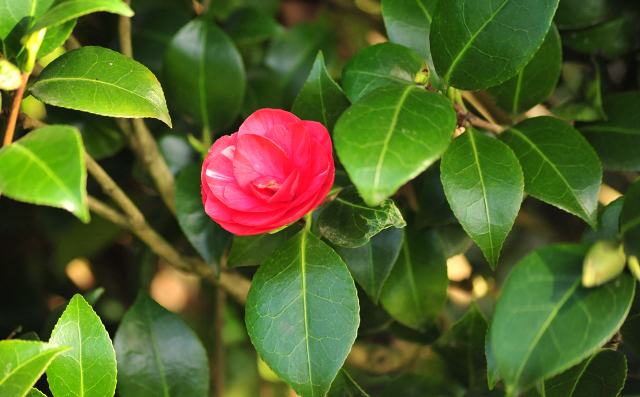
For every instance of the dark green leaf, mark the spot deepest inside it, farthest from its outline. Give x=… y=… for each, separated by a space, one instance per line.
x=204 y=74
x=583 y=86
x=535 y=82
x=542 y=307
x=390 y=136
x=493 y=371
x=415 y=385
x=178 y=152
x=320 y=99
x=89 y=369
x=559 y=165
x=103 y=82
x=408 y=23
x=607 y=223
x=580 y=13
x=630 y=221
x=22 y=363
x=371 y=264
x=617 y=140
x=416 y=289
x=47 y=167
x=601 y=375
x=65 y=10
x=302 y=314
x=206 y=236
x=348 y=222
x=483 y=182
x=630 y=330
x=453 y=238
x=433 y=207
x=344 y=386
x=477 y=44
x=462 y=348
x=612 y=38
x=249 y=25
x=252 y=250
x=158 y=354
x=263 y=91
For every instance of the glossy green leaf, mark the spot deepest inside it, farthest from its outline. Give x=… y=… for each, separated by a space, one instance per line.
x=302 y=313
x=47 y=167
x=320 y=99
x=611 y=38
x=250 y=25
x=617 y=139
x=580 y=13
x=416 y=289
x=493 y=371
x=345 y=386
x=559 y=165
x=65 y=10
x=390 y=136
x=477 y=44
x=158 y=354
x=263 y=91
x=408 y=23
x=89 y=369
x=607 y=223
x=348 y=222
x=601 y=375
x=433 y=207
x=35 y=393
x=104 y=82
x=630 y=221
x=542 y=307
x=22 y=363
x=204 y=75
x=252 y=250
x=483 y=182
x=380 y=65
x=371 y=264
x=462 y=348
x=535 y=82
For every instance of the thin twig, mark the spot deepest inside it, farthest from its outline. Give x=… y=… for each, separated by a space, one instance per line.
x=15 y=109
x=477 y=121
x=72 y=43
x=124 y=33
x=471 y=98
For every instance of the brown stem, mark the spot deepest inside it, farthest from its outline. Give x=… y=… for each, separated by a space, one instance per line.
x=72 y=43
x=124 y=33
x=15 y=109
x=477 y=121
x=218 y=365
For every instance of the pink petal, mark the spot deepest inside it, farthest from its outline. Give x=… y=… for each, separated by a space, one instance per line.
x=222 y=143
x=257 y=156
x=242 y=200
x=293 y=139
x=318 y=132
x=288 y=190
x=263 y=120
x=219 y=171
x=319 y=166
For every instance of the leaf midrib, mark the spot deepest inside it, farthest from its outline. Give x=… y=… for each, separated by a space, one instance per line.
x=426 y=13
x=484 y=192
x=303 y=262
x=412 y=281
x=24 y=363
x=156 y=350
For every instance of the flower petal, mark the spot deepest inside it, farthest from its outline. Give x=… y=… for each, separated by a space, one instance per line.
x=318 y=132
x=294 y=141
x=219 y=171
x=257 y=156
x=263 y=120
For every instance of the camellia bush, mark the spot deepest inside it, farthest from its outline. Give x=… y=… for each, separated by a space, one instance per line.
x=395 y=198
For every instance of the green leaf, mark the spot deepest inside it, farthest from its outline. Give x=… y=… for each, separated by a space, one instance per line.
x=630 y=221
x=601 y=375
x=55 y=37
x=416 y=289
x=542 y=307
x=462 y=347
x=320 y=99
x=630 y=330
x=379 y=65
x=22 y=363
x=302 y=313
x=582 y=85
x=204 y=74
x=371 y=264
x=89 y=369
x=46 y=167
x=453 y=238
x=535 y=82
x=611 y=38
x=206 y=236
x=252 y=250
x=65 y=10
x=344 y=386
x=607 y=223
x=250 y=25
x=390 y=136
x=35 y=393
x=559 y=165
x=433 y=207
x=103 y=82
x=10 y=76
x=158 y=354
x=416 y=385
x=617 y=140
x=581 y=13
x=408 y=23
x=483 y=182
x=477 y=44
x=348 y=222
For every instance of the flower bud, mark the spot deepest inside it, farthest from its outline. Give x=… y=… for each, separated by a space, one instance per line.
x=604 y=261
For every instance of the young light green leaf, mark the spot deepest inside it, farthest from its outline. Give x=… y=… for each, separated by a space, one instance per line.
x=47 y=167
x=345 y=386
x=612 y=38
x=416 y=289
x=601 y=375
x=617 y=139
x=302 y=313
x=468 y=42
x=158 y=354
x=559 y=165
x=206 y=236
x=348 y=222
x=204 y=74
x=89 y=369
x=462 y=347
x=379 y=65
x=483 y=182
x=371 y=264
x=252 y=250
x=542 y=307
x=320 y=99
x=62 y=11
x=408 y=23
x=630 y=221
x=10 y=76
x=535 y=82
x=22 y=363
x=103 y=82
x=35 y=393
x=390 y=136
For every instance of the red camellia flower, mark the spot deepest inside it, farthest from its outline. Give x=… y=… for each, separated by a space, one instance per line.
x=270 y=173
